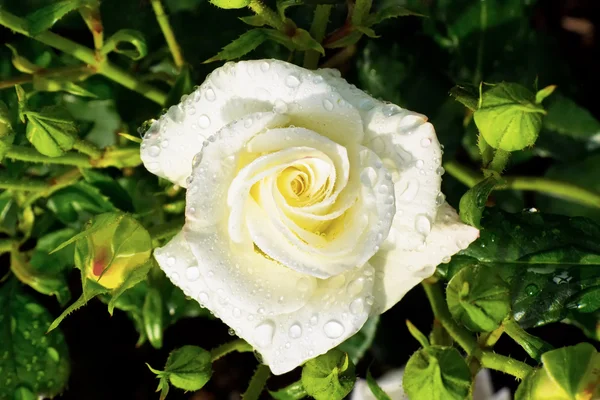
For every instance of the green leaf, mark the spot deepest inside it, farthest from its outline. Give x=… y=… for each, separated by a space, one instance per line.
x=129 y=42
x=304 y=41
x=254 y=20
x=52 y=131
x=44 y=84
x=466 y=96
x=568 y=118
x=417 y=334
x=329 y=376
x=152 y=314
x=478 y=298
x=357 y=344
x=589 y=323
x=389 y=11
x=437 y=373
x=473 y=201
x=7 y=134
x=546 y=259
x=240 y=46
x=187 y=368
x=78 y=202
x=586 y=301
x=44 y=18
x=295 y=391
x=21 y=63
x=28 y=356
x=230 y=4
x=508 y=117
x=9 y=213
x=183 y=86
x=346 y=40
x=375 y=389
x=101 y=114
x=568 y=373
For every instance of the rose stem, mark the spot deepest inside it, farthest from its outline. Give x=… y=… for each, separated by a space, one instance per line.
x=239 y=345
x=257 y=383
x=564 y=190
x=86 y=55
x=165 y=26
x=317 y=31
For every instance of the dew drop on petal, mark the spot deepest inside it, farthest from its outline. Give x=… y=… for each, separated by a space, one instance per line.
x=368 y=176
x=175 y=277
x=295 y=331
x=390 y=110
x=439 y=199
x=328 y=105
x=357 y=306
x=204 y=121
x=425 y=142
x=410 y=192
x=292 y=81
x=192 y=273
x=423 y=224
x=333 y=329
x=440 y=171
x=171 y=261
x=314 y=319
x=419 y=164
x=263 y=333
x=280 y=107
x=154 y=151
x=210 y=95
x=264 y=66
x=248 y=122
x=203 y=297
x=355 y=286
x=383 y=189
x=236 y=312
x=175 y=113
x=164 y=144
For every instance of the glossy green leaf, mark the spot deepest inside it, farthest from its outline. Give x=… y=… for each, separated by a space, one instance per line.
x=254 y=20
x=437 y=373
x=357 y=345
x=568 y=373
x=152 y=314
x=129 y=42
x=542 y=94
x=28 y=356
x=230 y=4
x=21 y=63
x=52 y=131
x=466 y=96
x=7 y=134
x=78 y=202
x=304 y=41
x=508 y=117
x=294 y=391
x=478 y=298
x=586 y=301
x=187 y=368
x=329 y=376
x=568 y=118
x=389 y=11
x=240 y=46
x=473 y=201
x=348 y=39
x=45 y=17
x=44 y=84
x=546 y=259
x=9 y=212
x=377 y=392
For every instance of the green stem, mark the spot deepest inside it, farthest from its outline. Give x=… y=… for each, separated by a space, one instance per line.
x=438 y=304
x=360 y=11
x=27 y=184
x=64 y=180
x=533 y=345
x=6 y=246
x=165 y=27
x=271 y=17
x=489 y=339
x=84 y=54
x=483 y=20
x=504 y=364
x=87 y=148
x=499 y=161
x=257 y=383
x=317 y=31
x=564 y=190
x=29 y=154
x=239 y=345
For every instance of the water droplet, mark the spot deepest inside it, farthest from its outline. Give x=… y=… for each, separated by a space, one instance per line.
x=263 y=333
x=210 y=95
x=390 y=109
x=357 y=306
x=164 y=144
x=231 y=332
x=295 y=331
x=410 y=192
x=390 y=200
x=314 y=319
x=439 y=199
x=532 y=289
x=370 y=300
x=333 y=329
x=192 y=273
x=368 y=176
x=419 y=164
x=440 y=171
x=153 y=166
x=383 y=189
x=171 y=261
x=356 y=286
x=280 y=107
x=191 y=110
x=248 y=122
x=366 y=104
x=260 y=310
x=264 y=66
x=423 y=224
x=203 y=297
x=328 y=105
x=425 y=142
x=292 y=81
x=176 y=114
x=154 y=151
x=175 y=277
x=204 y=121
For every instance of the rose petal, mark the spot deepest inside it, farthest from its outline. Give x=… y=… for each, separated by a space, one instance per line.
x=399 y=270
x=337 y=309
x=235 y=91
x=390 y=383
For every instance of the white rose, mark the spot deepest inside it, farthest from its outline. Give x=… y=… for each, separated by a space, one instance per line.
x=391 y=384
x=310 y=205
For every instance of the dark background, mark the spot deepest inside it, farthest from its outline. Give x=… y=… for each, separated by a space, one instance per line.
x=107 y=365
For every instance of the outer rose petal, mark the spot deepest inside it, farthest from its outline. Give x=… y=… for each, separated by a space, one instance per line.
x=399 y=270
x=239 y=89
x=336 y=310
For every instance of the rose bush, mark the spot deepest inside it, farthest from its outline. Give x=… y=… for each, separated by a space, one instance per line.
x=310 y=205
